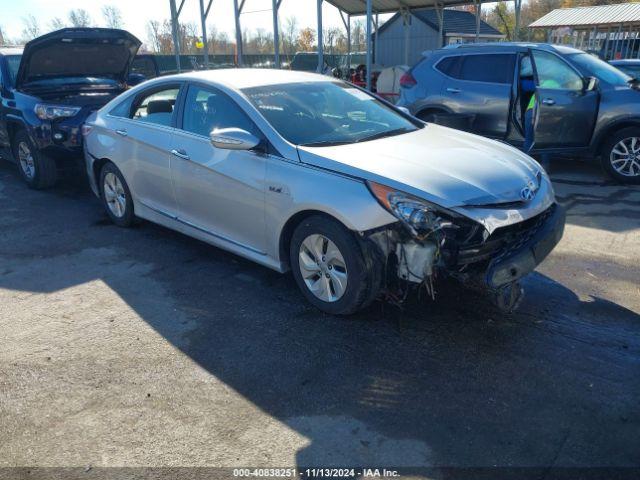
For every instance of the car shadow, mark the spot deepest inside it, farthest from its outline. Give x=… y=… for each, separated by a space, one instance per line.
x=447 y=383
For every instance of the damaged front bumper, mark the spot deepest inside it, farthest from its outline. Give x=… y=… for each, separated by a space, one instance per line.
x=521 y=258
x=491 y=261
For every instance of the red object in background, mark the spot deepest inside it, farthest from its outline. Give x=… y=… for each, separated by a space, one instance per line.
x=408 y=81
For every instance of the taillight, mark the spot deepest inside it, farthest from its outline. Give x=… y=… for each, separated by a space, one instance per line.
x=86 y=129
x=407 y=80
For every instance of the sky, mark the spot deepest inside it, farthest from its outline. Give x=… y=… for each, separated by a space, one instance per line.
x=136 y=13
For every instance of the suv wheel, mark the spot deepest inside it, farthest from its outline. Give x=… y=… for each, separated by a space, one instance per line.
x=621 y=156
x=115 y=195
x=330 y=267
x=36 y=169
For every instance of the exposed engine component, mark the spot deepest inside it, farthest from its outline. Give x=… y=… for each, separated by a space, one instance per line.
x=415 y=260
x=508 y=298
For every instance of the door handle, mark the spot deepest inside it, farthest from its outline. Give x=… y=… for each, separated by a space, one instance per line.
x=180 y=154
x=453 y=90
x=549 y=101
x=122 y=132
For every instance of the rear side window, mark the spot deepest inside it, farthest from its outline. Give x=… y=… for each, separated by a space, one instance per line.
x=156 y=107
x=449 y=66
x=492 y=68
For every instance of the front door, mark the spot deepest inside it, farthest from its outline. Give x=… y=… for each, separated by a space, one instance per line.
x=220 y=192
x=565 y=111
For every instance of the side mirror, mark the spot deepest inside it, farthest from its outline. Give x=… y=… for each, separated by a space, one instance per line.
x=590 y=84
x=135 y=79
x=404 y=110
x=233 y=139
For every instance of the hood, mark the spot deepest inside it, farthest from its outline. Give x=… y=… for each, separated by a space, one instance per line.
x=78 y=52
x=445 y=166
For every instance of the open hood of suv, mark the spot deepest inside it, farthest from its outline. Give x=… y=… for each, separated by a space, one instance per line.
x=78 y=52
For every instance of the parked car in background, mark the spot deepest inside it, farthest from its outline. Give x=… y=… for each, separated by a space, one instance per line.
x=49 y=89
x=629 y=66
x=587 y=108
x=305 y=172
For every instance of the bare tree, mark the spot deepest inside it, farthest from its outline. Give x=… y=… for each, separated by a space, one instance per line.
x=2 y=38
x=79 y=18
x=290 y=35
x=31 y=28
x=56 y=23
x=112 y=16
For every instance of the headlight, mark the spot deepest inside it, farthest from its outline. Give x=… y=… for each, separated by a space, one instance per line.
x=420 y=216
x=50 y=112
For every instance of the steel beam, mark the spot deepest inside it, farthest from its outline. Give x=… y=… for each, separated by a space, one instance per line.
x=369 y=14
x=203 y=19
x=275 y=5
x=174 y=31
x=478 y=6
x=320 y=44
x=236 y=13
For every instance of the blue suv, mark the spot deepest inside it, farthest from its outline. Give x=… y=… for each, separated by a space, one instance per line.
x=585 y=108
x=50 y=87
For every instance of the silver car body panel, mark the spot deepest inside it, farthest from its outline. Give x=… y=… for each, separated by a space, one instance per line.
x=241 y=200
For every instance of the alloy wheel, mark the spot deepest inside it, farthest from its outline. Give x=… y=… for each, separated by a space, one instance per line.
x=27 y=163
x=625 y=157
x=115 y=195
x=323 y=268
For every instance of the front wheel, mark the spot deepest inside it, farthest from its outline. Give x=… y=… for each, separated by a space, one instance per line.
x=330 y=267
x=36 y=169
x=621 y=156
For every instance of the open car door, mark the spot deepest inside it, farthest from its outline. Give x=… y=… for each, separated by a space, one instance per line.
x=566 y=109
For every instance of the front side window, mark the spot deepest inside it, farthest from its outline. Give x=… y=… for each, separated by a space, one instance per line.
x=327 y=113
x=594 y=67
x=208 y=109
x=554 y=73
x=157 y=107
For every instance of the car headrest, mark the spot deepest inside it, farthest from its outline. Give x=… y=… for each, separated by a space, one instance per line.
x=159 y=106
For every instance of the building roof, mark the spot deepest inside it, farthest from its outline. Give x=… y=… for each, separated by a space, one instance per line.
x=359 y=7
x=590 y=16
x=455 y=21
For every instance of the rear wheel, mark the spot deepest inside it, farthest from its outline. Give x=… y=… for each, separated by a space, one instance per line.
x=36 y=169
x=621 y=156
x=330 y=267
x=116 y=196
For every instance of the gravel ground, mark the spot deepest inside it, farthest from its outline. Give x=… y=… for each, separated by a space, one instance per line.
x=143 y=347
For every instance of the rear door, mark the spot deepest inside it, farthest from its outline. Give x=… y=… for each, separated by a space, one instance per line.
x=565 y=112
x=480 y=84
x=144 y=136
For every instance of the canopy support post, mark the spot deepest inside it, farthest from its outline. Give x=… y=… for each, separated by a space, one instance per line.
x=275 y=6
x=369 y=14
x=478 y=6
x=320 y=39
x=204 y=13
x=174 y=31
x=517 y=6
x=440 y=14
x=237 y=10
x=406 y=23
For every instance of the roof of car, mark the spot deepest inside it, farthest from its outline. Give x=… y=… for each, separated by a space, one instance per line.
x=238 y=78
x=17 y=50
x=484 y=46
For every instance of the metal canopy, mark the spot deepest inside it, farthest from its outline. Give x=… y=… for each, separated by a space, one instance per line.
x=359 y=7
x=590 y=16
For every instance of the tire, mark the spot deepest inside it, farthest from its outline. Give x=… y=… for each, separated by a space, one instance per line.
x=361 y=272
x=428 y=115
x=620 y=156
x=116 y=196
x=36 y=169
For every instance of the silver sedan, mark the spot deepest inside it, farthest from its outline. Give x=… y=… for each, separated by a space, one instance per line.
x=301 y=172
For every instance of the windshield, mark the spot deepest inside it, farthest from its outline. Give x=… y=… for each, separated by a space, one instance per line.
x=326 y=113
x=599 y=69
x=13 y=62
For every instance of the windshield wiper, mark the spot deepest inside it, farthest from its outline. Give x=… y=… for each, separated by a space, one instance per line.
x=388 y=133
x=326 y=143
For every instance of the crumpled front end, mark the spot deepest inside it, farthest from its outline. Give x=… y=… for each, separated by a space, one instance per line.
x=447 y=244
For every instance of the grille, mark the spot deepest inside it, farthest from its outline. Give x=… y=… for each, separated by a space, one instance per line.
x=502 y=241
